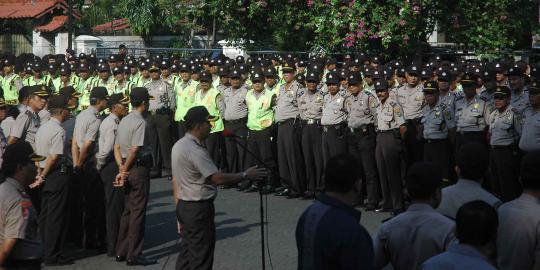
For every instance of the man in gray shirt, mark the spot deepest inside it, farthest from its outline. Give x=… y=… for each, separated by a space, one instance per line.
x=530 y=135
x=20 y=241
x=518 y=245
x=472 y=163
x=195 y=180
x=28 y=122
x=419 y=233
x=159 y=120
x=54 y=174
x=131 y=147
x=291 y=166
x=334 y=119
x=84 y=165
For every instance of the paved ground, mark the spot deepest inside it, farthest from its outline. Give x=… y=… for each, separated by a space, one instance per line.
x=238 y=232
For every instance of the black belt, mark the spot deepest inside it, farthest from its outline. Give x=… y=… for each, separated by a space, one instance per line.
x=286 y=121
x=334 y=126
x=363 y=129
x=388 y=131
x=471 y=132
x=235 y=121
x=415 y=121
x=512 y=146
x=145 y=161
x=311 y=122
x=435 y=140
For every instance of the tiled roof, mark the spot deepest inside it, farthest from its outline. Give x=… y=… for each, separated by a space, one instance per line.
x=54 y=24
x=20 y=9
x=115 y=25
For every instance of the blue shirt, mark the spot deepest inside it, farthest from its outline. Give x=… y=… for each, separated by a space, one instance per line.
x=329 y=236
x=459 y=257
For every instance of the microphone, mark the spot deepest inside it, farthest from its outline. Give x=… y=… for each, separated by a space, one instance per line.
x=227 y=133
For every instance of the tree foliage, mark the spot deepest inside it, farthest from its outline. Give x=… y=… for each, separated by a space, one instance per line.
x=400 y=26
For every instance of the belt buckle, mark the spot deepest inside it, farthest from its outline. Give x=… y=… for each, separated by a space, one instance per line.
x=325 y=129
x=311 y=121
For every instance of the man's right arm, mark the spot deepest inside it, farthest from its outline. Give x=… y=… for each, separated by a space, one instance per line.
x=5 y=249
x=18 y=128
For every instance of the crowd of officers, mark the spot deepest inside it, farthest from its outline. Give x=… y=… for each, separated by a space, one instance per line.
x=107 y=126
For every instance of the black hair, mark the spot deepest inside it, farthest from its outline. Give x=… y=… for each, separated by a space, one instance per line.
x=136 y=103
x=530 y=170
x=12 y=111
x=93 y=101
x=423 y=180
x=341 y=173
x=472 y=160
x=476 y=223
x=9 y=169
x=56 y=111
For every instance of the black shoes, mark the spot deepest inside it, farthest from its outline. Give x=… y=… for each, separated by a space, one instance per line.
x=282 y=193
x=252 y=188
x=140 y=261
x=308 y=195
x=370 y=207
x=293 y=196
x=382 y=210
x=120 y=258
x=60 y=261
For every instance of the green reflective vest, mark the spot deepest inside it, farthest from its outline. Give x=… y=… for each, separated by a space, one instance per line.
x=11 y=93
x=209 y=101
x=85 y=87
x=124 y=89
x=185 y=98
x=31 y=81
x=260 y=111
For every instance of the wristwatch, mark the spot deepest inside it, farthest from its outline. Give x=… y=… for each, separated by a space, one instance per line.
x=244 y=174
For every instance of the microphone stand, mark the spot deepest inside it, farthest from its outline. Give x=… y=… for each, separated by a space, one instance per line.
x=243 y=145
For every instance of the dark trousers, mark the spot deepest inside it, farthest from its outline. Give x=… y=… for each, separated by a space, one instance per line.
x=131 y=231
x=21 y=264
x=312 y=150
x=76 y=210
x=469 y=137
x=160 y=141
x=236 y=154
x=504 y=163
x=438 y=152
x=388 y=154
x=362 y=146
x=290 y=160
x=259 y=143
x=413 y=145
x=215 y=144
x=35 y=196
x=54 y=214
x=114 y=205
x=94 y=206
x=334 y=141
x=198 y=235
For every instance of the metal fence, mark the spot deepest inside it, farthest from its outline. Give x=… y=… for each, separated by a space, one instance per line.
x=15 y=44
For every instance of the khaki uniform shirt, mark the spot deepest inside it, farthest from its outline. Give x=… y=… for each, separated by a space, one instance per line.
x=50 y=140
x=163 y=95
x=132 y=132
x=333 y=111
x=86 y=126
x=412 y=237
x=19 y=220
x=310 y=105
x=192 y=170
x=530 y=134
x=106 y=141
x=437 y=121
x=287 y=101
x=471 y=116
x=362 y=109
x=26 y=126
x=389 y=115
x=235 y=103
x=411 y=100
x=462 y=192
x=504 y=127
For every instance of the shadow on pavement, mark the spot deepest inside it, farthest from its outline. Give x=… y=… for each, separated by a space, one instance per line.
x=228 y=232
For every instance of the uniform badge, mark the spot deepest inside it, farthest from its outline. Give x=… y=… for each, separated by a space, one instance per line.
x=338 y=100
x=476 y=105
x=266 y=123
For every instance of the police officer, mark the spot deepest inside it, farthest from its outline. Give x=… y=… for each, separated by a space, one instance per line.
x=289 y=150
x=271 y=80
x=104 y=78
x=260 y=102
x=520 y=93
x=504 y=131
x=185 y=96
x=438 y=126
x=54 y=175
x=209 y=97
x=37 y=77
x=197 y=177
x=11 y=83
x=472 y=113
x=20 y=243
x=530 y=135
x=333 y=120
x=85 y=85
x=144 y=79
x=224 y=82
x=235 y=120
x=391 y=130
x=121 y=84
x=446 y=97
x=84 y=164
x=28 y=122
x=361 y=108
x=159 y=119
x=134 y=175
x=310 y=105
x=411 y=99
x=107 y=165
